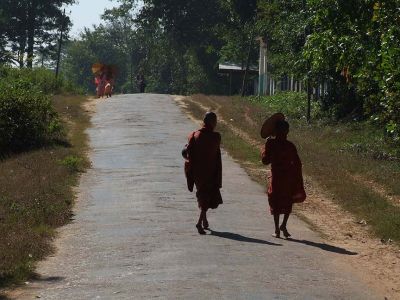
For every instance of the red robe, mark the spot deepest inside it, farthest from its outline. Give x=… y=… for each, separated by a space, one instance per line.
x=204 y=163
x=285 y=186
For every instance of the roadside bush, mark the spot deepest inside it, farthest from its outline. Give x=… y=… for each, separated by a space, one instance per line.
x=292 y=104
x=73 y=163
x=27 y=118
x=127 y=88
x=41 y=79
x=67 y=87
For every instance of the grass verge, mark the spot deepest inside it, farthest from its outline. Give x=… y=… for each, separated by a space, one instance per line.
x=36 y=193
x=365 y=185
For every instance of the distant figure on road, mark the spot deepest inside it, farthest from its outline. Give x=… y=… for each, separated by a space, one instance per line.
x=141 y=83
x=109 y=85
x=108 y=89
x=285 y=186
x=100 y=81
x=203 y=167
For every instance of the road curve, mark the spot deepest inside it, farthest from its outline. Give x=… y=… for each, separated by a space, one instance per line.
x=133 y=236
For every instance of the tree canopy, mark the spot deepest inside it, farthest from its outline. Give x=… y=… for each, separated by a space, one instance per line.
x=351 y=46
x=30 y=29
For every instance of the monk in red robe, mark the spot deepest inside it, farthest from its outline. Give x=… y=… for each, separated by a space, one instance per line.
x=203 y=168
x=285 y=186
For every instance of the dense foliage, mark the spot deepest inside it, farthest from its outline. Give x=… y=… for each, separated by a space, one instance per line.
x=291 y=104
x=352 y=45
x=29 y=30
x=176 y=44
x=27 y=118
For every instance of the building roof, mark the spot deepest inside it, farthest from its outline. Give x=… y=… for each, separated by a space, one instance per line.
x=232 y=67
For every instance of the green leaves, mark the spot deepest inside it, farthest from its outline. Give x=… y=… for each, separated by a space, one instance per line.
x=26 y=115
x=30 y=28
x=284 y=24
x=351 y=44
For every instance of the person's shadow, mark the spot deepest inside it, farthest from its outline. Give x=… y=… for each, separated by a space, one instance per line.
x=323 y=246
x=241 y=238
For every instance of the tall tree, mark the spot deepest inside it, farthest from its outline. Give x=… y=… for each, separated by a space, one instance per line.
x=33 y=23
x=4 y=20
x=340 y=52
x=122 y=26
x=96 y=45
x=188 y=22
x=283 y=25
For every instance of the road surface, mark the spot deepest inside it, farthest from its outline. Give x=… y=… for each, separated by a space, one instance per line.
x=134 y=236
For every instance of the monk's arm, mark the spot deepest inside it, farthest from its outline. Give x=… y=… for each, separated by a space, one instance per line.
x=219 y=164
x=187 y=151
x=219 y=169
x=265 y=154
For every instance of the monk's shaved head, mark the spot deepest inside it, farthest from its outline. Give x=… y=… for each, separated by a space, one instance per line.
x=282 y=128
x=210 y=118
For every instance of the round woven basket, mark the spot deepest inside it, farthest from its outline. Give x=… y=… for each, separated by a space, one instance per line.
x=268 y=128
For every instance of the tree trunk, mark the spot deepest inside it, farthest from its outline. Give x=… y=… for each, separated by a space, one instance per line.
x=31 y=33
x=243 y=92
x=60 y=46
x=21 y=52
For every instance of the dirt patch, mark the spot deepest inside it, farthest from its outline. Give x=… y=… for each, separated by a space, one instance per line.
x=377 y=261
x=242 y=134
x=90 y=105
x=377 y=188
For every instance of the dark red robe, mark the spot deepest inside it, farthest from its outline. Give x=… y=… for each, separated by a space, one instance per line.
x=285 y=186
x=204 y=167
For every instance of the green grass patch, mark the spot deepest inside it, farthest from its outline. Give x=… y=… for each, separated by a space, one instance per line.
x=289 y=103
x=72 y=162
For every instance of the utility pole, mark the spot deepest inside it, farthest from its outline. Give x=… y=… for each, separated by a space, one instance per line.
x=60 y=45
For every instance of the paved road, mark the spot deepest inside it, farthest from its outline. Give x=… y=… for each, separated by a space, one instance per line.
x=134 y=237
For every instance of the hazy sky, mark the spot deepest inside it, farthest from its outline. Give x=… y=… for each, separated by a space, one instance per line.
x=87 y=12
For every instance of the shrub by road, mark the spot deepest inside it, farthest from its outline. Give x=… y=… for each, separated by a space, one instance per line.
x=43 y=148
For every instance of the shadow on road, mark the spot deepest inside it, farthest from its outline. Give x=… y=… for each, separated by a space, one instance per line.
x=49 y=279
x=241 y=238
x=324 y=246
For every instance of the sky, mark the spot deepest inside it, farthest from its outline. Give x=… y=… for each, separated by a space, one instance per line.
x=85 y=13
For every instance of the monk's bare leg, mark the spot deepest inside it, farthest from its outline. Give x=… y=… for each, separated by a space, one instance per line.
x=205 y=221
x=276 y=221
x=203 y=215
x=283 y=226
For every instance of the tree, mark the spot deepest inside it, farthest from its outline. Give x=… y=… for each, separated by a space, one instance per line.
x=93 y=46
x=379 y=76
x=33 y=24
x=189 y=23
x=283 y=24
x=340 y=52
x=176 y=44
x=122 y=25
x=4 y=19
x=193 y=29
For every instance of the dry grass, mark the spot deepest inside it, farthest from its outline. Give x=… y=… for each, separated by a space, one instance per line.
x=36 y=194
